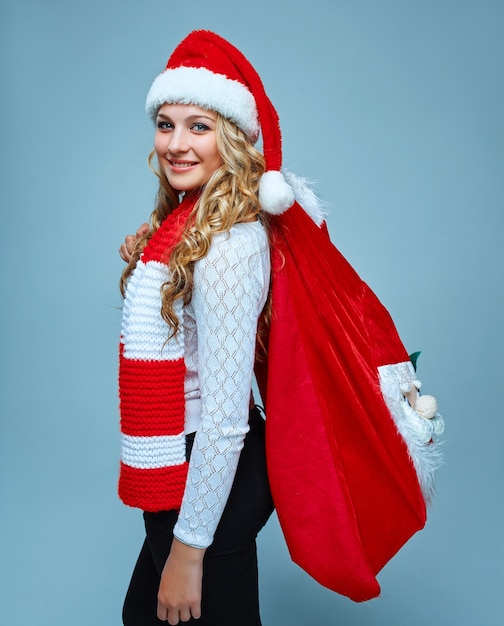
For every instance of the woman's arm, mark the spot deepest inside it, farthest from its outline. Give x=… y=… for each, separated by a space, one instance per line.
x=231 y=286
x=179 y=595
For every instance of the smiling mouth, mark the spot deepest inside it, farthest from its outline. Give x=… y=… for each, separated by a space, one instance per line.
x=182 y=164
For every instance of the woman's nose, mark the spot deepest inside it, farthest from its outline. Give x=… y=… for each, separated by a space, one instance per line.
x=178 y=141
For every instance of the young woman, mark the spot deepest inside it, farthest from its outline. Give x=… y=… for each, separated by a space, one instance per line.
x=195 y=287
x=197 y=307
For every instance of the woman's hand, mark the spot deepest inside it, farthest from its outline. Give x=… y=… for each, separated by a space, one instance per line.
x=179 y=595
x=129 y=241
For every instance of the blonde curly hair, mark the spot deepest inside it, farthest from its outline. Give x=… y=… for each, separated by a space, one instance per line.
x=229 y=197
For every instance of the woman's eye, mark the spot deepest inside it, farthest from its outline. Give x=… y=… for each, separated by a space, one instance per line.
x=164 y=125
x=199 y=127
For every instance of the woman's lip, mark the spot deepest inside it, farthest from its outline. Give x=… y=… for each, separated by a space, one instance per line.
x=182 y=166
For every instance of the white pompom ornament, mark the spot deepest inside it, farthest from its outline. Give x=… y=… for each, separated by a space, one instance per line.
x=275 y=194
x=426 y=406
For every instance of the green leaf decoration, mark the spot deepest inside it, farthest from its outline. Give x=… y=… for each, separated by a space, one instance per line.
x=414 y=358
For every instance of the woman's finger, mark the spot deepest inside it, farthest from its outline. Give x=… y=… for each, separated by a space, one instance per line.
x=142 y=230
x=173 y=617
x=126 y=248
x=162 y=612
x=185 y=614
x=124 y=253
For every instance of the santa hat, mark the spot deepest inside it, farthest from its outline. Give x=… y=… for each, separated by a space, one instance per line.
x=206 y=70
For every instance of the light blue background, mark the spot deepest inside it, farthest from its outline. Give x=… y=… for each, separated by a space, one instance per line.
x=395 y=108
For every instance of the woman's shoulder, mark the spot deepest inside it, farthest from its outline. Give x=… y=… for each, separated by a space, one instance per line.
x=241 y=252
x=244 y=238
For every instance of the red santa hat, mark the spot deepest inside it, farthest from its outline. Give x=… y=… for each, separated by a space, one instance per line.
x=206 y=70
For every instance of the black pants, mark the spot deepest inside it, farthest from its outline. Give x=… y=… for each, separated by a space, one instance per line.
x=230 y=586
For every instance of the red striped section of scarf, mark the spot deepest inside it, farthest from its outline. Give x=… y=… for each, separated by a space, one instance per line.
x=153 y=468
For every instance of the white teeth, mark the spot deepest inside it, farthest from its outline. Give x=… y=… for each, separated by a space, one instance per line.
x=175 y=164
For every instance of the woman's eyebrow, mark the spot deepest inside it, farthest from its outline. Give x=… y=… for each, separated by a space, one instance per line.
x=190 y=118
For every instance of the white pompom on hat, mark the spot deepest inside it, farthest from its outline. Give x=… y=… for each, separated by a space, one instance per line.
x=206 y=70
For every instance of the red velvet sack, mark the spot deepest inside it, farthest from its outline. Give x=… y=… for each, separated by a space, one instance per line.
x=344 y=486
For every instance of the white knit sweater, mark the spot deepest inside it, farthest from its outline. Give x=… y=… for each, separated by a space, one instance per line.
x=230 y=288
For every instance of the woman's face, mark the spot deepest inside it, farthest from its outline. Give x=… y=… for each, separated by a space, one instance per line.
x=186 y=145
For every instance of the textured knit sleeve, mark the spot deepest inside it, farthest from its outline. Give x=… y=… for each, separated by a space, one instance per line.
x=230 y=288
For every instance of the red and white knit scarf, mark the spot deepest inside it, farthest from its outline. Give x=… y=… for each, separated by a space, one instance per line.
x=151 y=380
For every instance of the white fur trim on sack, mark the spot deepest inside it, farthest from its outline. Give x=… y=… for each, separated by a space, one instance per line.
x=418 y=433
x=215 y=92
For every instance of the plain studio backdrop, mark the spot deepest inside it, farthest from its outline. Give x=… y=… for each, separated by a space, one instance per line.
x=394 y=108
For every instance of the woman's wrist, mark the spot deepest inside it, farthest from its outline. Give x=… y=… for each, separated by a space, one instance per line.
x=184 y=551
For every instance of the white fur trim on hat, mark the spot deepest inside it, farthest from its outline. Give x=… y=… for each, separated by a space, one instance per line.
x=215 y=92
x=275 y=194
